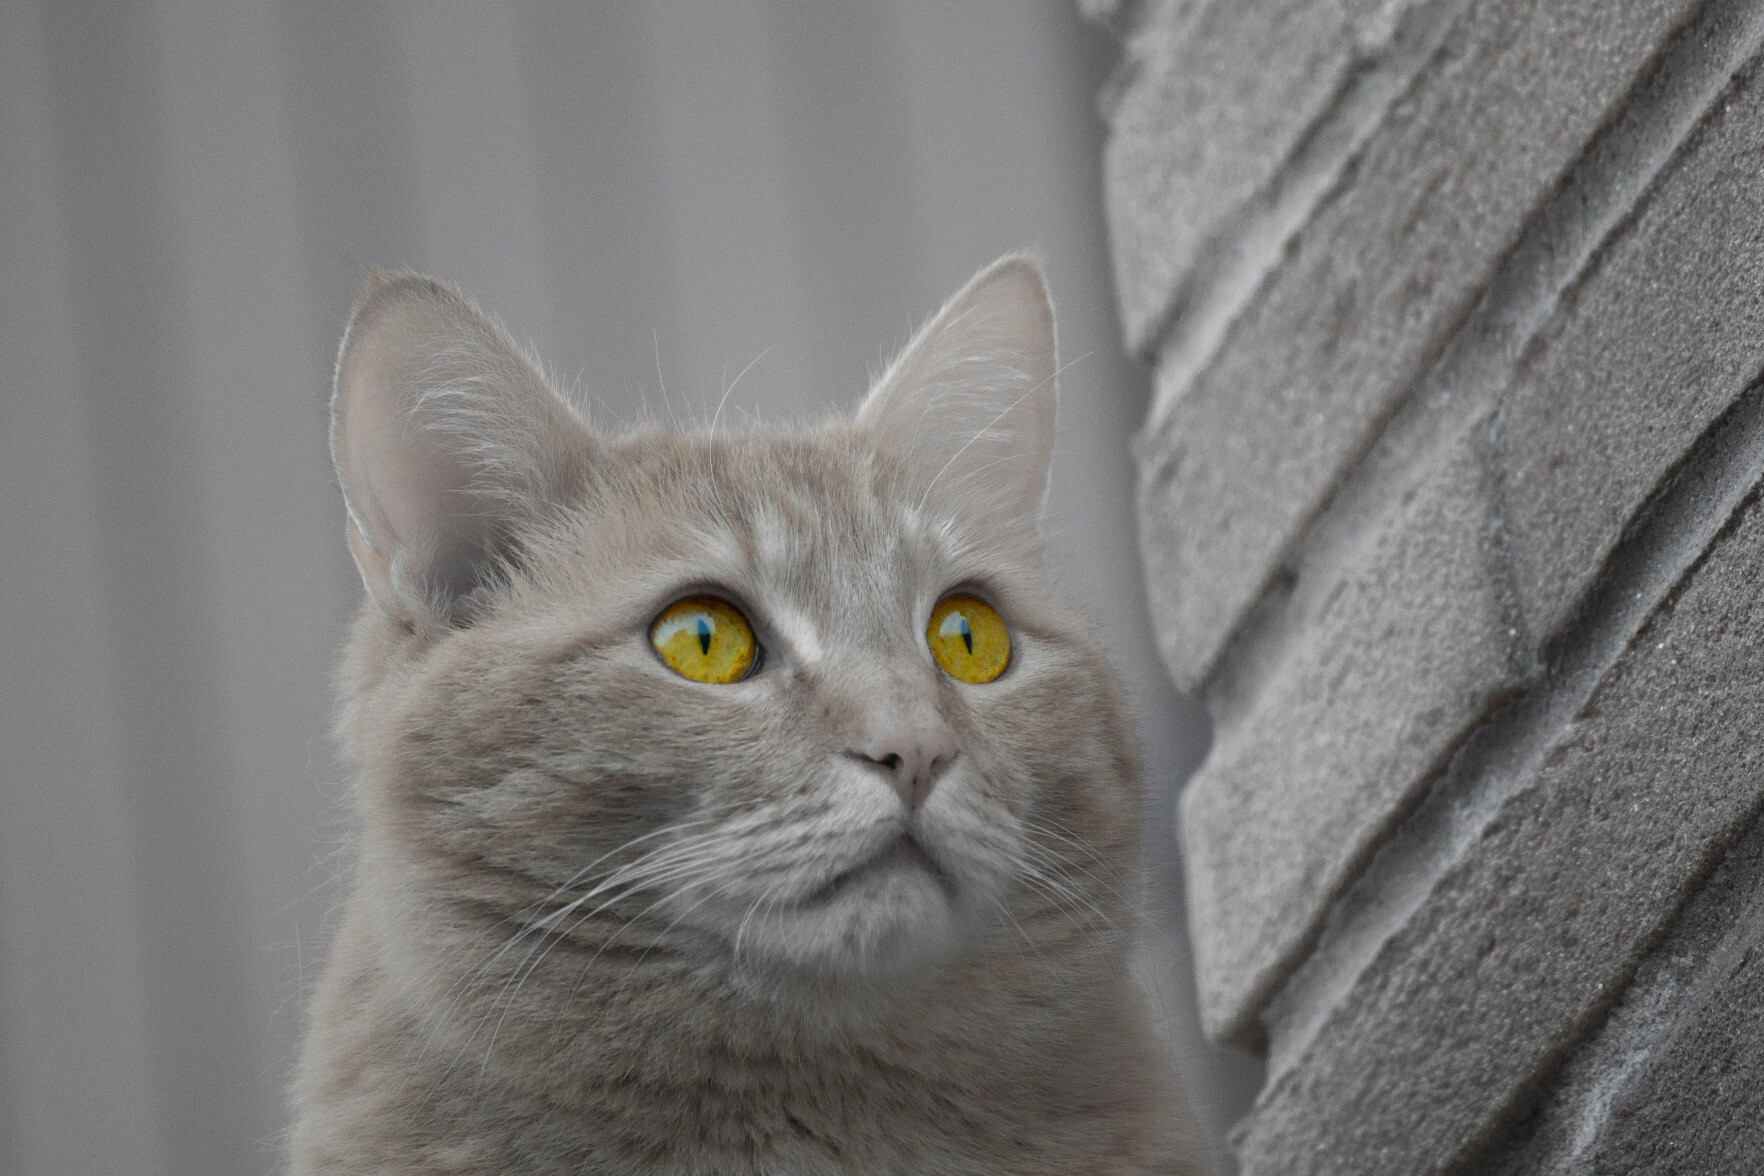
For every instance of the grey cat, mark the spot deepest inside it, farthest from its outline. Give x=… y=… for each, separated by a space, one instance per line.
x=729 y=803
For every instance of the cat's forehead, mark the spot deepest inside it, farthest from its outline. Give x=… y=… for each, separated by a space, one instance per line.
x=814 y=516
x=808 y=479
x=799 y=504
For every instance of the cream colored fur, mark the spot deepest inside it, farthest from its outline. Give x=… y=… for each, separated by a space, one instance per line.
x=608 y=920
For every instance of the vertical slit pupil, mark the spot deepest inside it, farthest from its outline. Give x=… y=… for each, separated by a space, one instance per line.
x=704 y=635
x=967 y=635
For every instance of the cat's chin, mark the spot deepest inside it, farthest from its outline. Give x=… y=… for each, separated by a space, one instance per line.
x=892 y=917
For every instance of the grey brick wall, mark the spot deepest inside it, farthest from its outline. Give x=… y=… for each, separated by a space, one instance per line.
x=1450 y=511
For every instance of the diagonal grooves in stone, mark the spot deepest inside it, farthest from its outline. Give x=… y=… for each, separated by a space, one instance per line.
x=1668 y=994
x=1507 y=571
x=1234 y=263
x=1688 y=1003
x=1612 y=177
x=1692 y=507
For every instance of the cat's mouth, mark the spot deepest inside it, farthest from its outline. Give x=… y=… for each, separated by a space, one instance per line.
x=904 y=853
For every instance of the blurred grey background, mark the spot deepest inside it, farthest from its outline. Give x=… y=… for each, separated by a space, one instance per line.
x=658 y=194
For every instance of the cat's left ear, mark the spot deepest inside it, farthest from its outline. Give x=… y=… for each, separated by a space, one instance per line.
x=969 y=405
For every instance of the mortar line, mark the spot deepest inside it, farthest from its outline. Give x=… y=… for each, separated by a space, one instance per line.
x=1720 y=921
x=1601 y=193
x=1671 y=537
x=1610 y=181
x=1236 y=260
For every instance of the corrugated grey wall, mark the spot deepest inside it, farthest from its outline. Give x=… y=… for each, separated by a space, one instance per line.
x=656 y=193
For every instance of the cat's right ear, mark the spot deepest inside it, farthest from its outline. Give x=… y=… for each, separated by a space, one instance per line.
x=969 y=405
x=448 y=442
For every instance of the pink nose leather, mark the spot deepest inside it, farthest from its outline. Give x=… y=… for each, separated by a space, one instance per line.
x=911 y=757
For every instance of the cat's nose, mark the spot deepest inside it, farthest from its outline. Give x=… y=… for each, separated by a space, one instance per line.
x=911 y=755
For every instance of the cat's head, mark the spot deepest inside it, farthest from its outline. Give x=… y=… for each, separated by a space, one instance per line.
x=794 y=699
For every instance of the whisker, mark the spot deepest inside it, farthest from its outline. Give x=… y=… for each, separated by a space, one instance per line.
x=461 y=989
x=1063 y=832
x=508 y=998
x=1061 y=900
x=1060 y=862
x=1033 y=946
x=1004 y=412
x=728 y=388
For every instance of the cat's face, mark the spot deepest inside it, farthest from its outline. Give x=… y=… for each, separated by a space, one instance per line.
x=839 y=803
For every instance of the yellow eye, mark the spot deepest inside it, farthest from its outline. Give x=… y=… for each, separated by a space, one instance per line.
x=704 y=638
x=968 y=639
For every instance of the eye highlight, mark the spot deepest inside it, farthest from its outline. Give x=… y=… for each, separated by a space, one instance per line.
x=969 y=639
x=704 y=638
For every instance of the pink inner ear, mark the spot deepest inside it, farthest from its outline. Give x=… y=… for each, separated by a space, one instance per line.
x=447 y=441
x=405 y=481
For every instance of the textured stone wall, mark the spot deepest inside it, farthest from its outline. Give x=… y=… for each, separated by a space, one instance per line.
x=1450 y=509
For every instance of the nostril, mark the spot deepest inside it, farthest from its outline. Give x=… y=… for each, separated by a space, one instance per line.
x=910 y=773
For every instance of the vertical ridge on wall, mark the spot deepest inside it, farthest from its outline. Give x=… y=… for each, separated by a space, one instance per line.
x=140 y=419
x=71 y=976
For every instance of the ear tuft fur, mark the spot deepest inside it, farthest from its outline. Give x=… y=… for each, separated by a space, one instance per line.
x=970 y=403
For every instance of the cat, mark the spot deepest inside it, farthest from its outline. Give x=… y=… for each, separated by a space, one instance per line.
x=729 y=802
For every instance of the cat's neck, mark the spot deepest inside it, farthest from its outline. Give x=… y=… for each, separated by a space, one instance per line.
x=561 y=1012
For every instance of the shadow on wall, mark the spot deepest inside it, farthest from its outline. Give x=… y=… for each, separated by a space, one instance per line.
x=660 y=195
